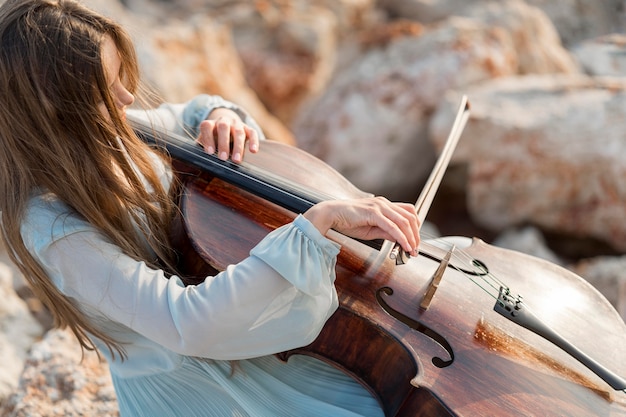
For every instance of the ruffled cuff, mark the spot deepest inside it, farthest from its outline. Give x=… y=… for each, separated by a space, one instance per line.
x=301 y=254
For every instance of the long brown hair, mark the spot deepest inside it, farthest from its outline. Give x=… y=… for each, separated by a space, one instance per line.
x=54 y=137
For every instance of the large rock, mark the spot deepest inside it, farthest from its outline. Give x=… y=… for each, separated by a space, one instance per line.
x=534 y=36
x=603 y=56
x=575 y=20
x=606 y=274
x=289 y=51
x=529 y=240
x=578 y=20
x=547 y=150
x=371 y=123
x=536 y=40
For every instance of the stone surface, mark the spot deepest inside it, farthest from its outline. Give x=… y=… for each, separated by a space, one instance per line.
x=603 y=56
x=575 y=20
x=59 y=381
x=18 y=331
x=536 y=40
x=547 y=150
x=371 y=123
x=606 y=274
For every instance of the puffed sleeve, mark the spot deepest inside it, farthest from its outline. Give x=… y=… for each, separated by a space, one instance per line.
x=185 y=118
x=276 y=299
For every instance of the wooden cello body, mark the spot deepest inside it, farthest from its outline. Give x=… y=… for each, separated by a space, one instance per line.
x=456 y=358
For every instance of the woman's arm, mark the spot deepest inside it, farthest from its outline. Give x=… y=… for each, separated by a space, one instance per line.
x=277 y=299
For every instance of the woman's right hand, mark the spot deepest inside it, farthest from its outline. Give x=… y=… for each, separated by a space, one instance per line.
x=368 y=219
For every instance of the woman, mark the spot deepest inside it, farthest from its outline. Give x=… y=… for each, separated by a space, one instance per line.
x=86 y=211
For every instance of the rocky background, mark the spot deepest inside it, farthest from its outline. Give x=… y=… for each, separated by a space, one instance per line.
x=371 y=87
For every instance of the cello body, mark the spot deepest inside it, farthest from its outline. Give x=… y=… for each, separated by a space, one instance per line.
x=456 y=358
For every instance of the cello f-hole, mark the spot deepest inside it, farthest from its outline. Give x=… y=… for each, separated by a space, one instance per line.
x=384 y=292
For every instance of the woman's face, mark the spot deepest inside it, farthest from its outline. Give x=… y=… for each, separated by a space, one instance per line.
x=112 y=63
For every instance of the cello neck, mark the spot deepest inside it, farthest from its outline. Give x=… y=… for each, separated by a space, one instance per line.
x=276 y=190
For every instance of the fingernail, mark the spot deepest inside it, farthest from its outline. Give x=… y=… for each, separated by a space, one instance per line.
x=237 y=157
x=224 y=156
x=210 y=150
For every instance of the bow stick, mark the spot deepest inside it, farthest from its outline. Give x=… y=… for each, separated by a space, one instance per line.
x=425 y=199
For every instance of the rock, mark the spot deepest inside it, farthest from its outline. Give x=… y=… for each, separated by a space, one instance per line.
x=545 y=150
x=538 y=46
x=18 y=331
x=529 y=240
x=425 y=11
x=534 y=35
x=604 y=56
x=58 y=381
x=18 y=281
x=371 y=122
x=607 y=275
x=289 y=51
x=578 y=20
x=575 y=20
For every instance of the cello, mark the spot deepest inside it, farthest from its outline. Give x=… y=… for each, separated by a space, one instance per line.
x=440 y=334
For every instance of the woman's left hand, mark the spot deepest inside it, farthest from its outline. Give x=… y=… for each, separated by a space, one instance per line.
x=225 y=131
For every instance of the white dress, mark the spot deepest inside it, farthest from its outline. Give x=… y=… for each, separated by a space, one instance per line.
x=179 y=340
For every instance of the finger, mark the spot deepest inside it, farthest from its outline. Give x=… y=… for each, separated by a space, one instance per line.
x=223 y=128
x=396 y=226
x=239 y=140
x=409 y=211
x=253 y=139
x=207 y=137
x=402 y=224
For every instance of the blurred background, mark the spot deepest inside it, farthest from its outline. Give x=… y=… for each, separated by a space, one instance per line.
x=371 y=88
